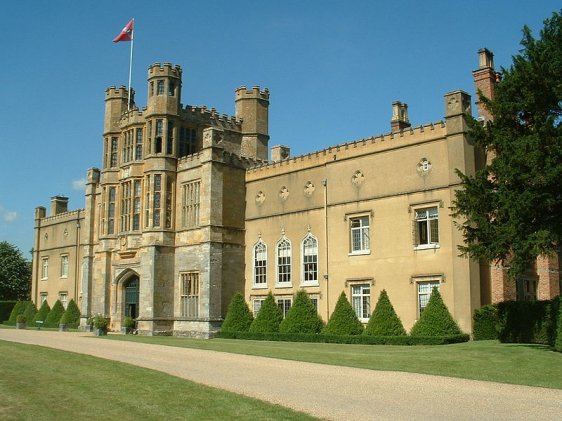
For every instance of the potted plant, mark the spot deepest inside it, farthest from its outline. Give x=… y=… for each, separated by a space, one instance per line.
x=100 y=325
x=21 y=321
x=128 y=325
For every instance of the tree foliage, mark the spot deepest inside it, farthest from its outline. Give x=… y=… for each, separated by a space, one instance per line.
x=268 y=318
x=512 y=206
x=302 y=317
x=384 y=321
x=343 y=320
x=238 y=317
x=15 y=273
x=435 y=320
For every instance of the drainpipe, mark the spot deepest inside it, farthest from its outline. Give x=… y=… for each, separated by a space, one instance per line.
x=76 y=258
x=325 y=184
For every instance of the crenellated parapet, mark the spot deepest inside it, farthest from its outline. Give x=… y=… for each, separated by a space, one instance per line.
x=164 y=70
x=351 y=149
x=210 y=116
x=255 y=93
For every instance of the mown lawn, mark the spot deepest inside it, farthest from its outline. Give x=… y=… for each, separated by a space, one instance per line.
x=526 y=364
x=39 y=383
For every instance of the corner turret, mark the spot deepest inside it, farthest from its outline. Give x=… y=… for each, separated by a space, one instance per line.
x=252 y=106
x=164 y=89
x=116 y=103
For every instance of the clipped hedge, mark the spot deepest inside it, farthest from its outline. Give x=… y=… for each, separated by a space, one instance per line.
x=268 y=318
x=53 y=318
x=558 y=340
x=435 y=320
x=238 y=317
x=343 y=320
x=528 y=321
x=302 y=317
x=346 y=339
x=71 y=316
x=384 y=321
x=6 y=308
x=485 y=323
x=42 y=313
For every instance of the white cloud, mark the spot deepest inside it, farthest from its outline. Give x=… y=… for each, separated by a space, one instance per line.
x=6 y=215
x=79 y=184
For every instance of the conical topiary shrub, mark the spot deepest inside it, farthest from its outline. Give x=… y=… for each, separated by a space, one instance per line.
x=302 y=317
x=238 y=317
x=30 y=311
x=435 y=320
x=384 y=321
x=18 y=309
x=44 y=310
x=71 y=316
x=268 y=318
x=54 y=315
x=343 y=320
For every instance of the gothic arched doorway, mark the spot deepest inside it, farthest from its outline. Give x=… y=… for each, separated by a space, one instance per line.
x=131 y=290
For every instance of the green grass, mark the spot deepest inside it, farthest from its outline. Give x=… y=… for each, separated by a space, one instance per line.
x=526 y=364
x=48 y=384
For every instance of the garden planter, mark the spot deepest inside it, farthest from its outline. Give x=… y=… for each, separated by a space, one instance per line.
x=21 y=325
x=100 y=331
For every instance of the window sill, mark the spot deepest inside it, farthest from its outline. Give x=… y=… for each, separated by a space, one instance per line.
x=360 y=253
x=284 y=285
x=259 y=286
x=310 y=284
x=427 y=247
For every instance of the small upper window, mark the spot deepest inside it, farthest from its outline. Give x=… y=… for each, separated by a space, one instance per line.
x=64 y=266
x=426 y=227
x=360 y=238
x=160 y=87
x=260 y=264
x=171 y=89
x=310 y=259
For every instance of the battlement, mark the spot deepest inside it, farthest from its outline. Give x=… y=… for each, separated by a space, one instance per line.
x=211 y=115
x=255 y=93
x=66 y=216
x=166 y=69
x=117 y=93
x=356 y=148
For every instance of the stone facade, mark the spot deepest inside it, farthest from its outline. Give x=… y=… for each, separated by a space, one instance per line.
x=186 y=211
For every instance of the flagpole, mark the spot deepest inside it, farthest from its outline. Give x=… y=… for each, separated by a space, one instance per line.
x=131 y=66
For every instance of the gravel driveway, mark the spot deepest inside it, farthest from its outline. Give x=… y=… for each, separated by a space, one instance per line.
x=330 y=392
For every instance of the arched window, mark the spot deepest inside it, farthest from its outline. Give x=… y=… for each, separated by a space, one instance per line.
x=310 y=260
x=260 y=264
x=284 y=262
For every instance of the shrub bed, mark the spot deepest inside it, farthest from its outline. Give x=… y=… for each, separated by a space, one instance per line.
x=347 y=339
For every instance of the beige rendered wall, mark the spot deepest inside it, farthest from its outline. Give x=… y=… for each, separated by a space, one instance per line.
x=380 y=178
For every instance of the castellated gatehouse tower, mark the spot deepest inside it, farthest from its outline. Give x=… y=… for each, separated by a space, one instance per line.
x=165 y=243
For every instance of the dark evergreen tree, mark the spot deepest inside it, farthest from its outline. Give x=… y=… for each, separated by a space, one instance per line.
x=302 y=317
x=435 y=320
x=384 y=321
x=71 y=315
x=15 y=273
x=238 y=317
x=43 y=312
x=30 y=311
x=53 y=318
x=268 y=318
x=343 y=320
x=512 y=206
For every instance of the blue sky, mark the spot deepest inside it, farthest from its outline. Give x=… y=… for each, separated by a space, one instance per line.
x=333 y=69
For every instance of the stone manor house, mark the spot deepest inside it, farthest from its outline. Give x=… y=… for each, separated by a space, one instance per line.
x=187 y=210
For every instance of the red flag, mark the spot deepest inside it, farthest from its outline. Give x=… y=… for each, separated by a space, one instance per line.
x=127 y=32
